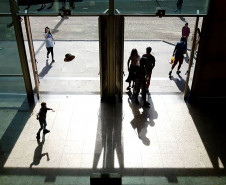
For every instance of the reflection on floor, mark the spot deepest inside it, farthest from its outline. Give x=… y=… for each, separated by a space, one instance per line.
x=170 y=142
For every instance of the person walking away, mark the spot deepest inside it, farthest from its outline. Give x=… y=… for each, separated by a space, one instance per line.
x=134 y=58
x=49 y=43
x=179 y=6
x=186 y=33
x=41 y=116
x=178 y=53
x=150 y=64
x=140 y=82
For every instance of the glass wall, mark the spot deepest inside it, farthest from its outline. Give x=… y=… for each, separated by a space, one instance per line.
x=57 y=7
x=172 y=7
x=4 y=6
x=11 y=77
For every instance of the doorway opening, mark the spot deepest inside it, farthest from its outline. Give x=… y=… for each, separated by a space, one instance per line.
x=161 y=34
x=77 y=36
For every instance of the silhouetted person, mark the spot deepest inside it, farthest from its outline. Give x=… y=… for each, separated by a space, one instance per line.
x=150 y=64
x=179 y=51
x=140 y=82
x=179 y=6
x=41 y=116
x=38 y=154
x=133 y=62
x=72 y=4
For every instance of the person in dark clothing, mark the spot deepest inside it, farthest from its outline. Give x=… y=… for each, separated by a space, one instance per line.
x=179 y=51
x=140 y=81
x=41 y=116
x=179 y=6
x=150 y=64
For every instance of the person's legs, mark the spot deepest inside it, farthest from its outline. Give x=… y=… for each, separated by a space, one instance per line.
x=174 y=64
x=51 y=50
x=179 y=66
x=145 y=103
x=136 y=90
x=41 y=127
x=48 y=51
x=45 y=131
x=148 y=79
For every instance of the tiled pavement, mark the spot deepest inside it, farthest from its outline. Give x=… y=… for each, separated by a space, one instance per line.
x=170 y=142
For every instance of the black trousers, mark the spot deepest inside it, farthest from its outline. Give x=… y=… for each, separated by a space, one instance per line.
x=50 y=50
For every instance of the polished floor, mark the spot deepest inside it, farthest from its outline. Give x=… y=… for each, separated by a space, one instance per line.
x=170 y=142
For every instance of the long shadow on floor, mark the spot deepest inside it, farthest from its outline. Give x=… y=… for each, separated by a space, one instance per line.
x=180 y=82
x=45 y=69
x=11 y=126
x=210 y=121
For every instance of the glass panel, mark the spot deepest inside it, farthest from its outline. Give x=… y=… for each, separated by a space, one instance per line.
x=4 y=6
x=171 y=6
x=84 y=7
x=11 y=78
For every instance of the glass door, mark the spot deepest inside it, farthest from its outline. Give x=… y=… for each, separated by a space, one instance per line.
x=32 y=54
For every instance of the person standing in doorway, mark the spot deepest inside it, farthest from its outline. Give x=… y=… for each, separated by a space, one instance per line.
x=150 y=64
x=134 y=58
x=179 y=6
x=140 y=82
x=179 y=51
x=49 y=42
x=41 y=116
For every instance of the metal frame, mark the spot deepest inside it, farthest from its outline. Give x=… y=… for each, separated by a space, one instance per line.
x=111 y=14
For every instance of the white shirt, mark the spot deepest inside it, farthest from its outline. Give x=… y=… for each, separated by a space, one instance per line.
x=49 y=40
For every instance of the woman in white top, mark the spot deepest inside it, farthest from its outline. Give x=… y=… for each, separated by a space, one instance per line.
x=132 y=67
x=49 y=42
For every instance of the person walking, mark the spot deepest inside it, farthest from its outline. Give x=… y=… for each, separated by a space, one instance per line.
x=179 y=6
x=186 y=33
x=49 y=43
x=132 y=64
x=179 y=51
x=150 y=64
x=140 y=82
x=41 y=116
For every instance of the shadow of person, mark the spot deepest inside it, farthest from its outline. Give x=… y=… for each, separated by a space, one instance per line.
x=38 y=153
x=45 y=69
x=180 y=82
x=183 y=19
x=142 y=118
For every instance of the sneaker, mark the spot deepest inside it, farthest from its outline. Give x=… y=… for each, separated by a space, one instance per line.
x=45 y=131
x=128 y=88
x=170 y=73
x=178 y=72
x=53 y=61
